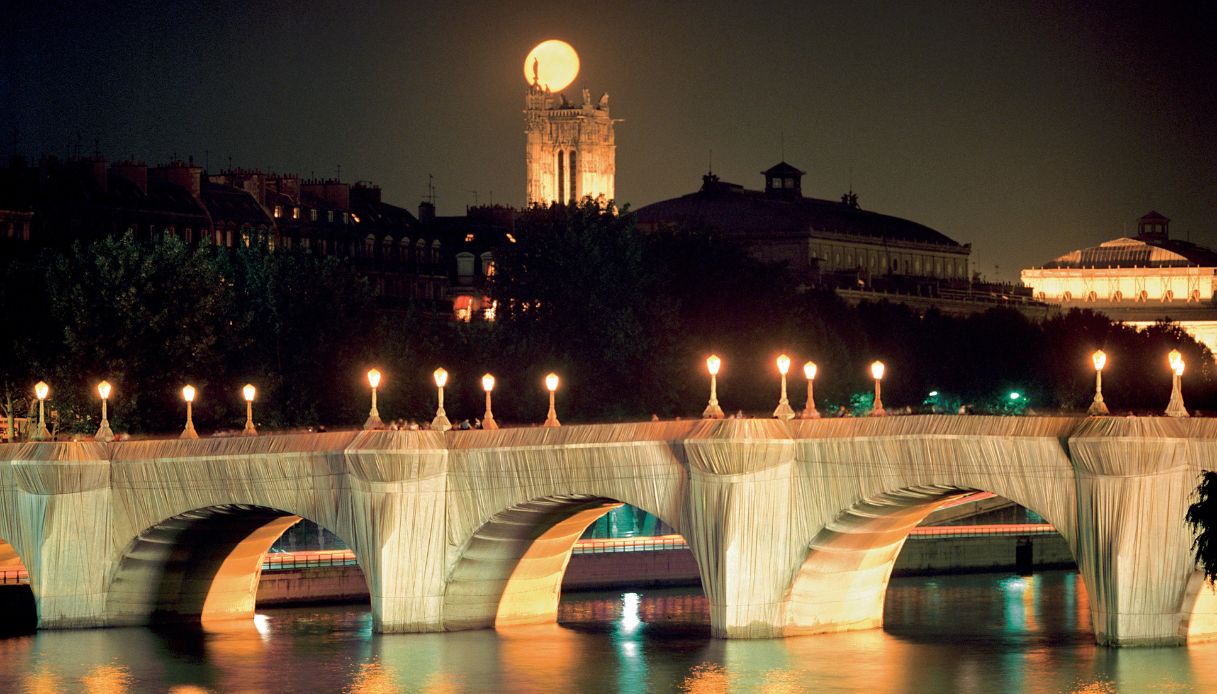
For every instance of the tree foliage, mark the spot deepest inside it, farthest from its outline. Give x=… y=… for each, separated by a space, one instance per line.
x=1202 y=516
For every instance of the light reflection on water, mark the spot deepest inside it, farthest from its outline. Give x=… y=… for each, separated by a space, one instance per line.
x=960 y=633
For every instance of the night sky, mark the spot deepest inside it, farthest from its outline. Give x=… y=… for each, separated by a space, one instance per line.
x=1026 y=129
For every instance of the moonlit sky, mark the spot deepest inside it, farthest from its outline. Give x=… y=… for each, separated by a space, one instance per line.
x=1027 y=129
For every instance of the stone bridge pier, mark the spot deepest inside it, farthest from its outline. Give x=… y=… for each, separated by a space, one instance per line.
x=795 y=525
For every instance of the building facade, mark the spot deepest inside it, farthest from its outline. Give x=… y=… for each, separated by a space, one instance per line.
x=1140 y=281
x=570 y=150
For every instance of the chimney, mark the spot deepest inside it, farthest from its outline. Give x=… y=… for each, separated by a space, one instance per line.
x=185 y=176
x=133 y=171
x=426 y=211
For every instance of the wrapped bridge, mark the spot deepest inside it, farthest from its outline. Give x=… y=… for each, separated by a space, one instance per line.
x=795 y=525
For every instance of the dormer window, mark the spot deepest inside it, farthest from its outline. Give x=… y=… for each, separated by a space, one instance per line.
x=784 y=179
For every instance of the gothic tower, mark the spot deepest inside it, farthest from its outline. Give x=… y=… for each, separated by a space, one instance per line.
x=569 y=152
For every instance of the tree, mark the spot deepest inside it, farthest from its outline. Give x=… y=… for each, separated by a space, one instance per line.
x=1202 y=516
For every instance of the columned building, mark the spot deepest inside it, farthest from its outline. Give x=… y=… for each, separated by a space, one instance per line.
x=1138 y=281
x=570 y=151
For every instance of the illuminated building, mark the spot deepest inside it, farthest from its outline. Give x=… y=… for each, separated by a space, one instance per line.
x=1138 y=281
x=570 y=151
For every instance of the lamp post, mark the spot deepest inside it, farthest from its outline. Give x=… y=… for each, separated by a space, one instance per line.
x=249 y=392
x=783 y=410
x=103 y=431
x=441 y=419
x=41 y=389
x=1098 y=407
x=713 y=411
x=488 y=418
x=876 y=371
x=1176 y=408
x=188 y=396
x=551 y=384
x=373 y=420
x=809 y=410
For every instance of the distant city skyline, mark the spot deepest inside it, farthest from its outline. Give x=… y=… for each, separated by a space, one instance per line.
x=1026 y=130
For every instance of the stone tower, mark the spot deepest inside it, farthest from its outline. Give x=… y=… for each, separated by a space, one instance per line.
x=570 y=152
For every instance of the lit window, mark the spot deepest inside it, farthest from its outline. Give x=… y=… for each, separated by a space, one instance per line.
x=295 y=213
x=468 y=238
x=355 y=217
x=312 y=215
x=511 y=238
x=278 y=211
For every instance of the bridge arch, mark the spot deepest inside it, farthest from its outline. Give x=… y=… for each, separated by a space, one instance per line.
x=509 y=571
x=201 y=565
x=841 y=583
x=18 y=607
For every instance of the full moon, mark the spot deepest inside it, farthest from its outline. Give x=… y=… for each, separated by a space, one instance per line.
x=553 y=64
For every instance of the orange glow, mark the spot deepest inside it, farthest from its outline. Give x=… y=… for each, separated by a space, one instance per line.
x=876 y=370
x=41 y=389
x=441 y=377
x=103 y=390
x=488 y=383
x=783 y=364
x=249 y=392
x=188 y=393
x=809 y=370
x=553 y=65
x=1099 y=358
x=1174 y=359
x=713 y=364
x=374 y=378
x=1179 y=367
x=551 y=382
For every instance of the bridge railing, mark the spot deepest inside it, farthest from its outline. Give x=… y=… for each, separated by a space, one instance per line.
x=281 y=561
x=934 y=532
x=9 y=577
x=660 y=543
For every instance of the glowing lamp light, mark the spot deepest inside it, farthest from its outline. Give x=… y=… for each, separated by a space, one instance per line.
x=1099 y=358
x=41 y=389
x=373 y=421
x=1174 y=359
x=374 y=378
x=809 y=370
x=551 y=382
x=487 y=383
x=488 y=417
x=1176 y=408
x=249 y=392
x=933 y=393
x=1015 y=395
x=188 y=394
x=103 y=432
x=876 y=370
x=809 y=410
x=441 y=418
x=713 y=411
x=1179 y=367
x=783 y=364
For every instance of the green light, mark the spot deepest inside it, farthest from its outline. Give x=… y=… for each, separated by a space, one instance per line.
x=1015 y=395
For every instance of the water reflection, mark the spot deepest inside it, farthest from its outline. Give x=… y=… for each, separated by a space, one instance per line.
x=963 y=633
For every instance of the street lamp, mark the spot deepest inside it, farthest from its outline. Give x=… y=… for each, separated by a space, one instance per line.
x=810 y=411
x=1176 y=408
x=488 y=418
x=783 y=410
x=551 y=384
x=103 y=432
x=713 y=411
x=876 y=371
x=41 y=389
x=249 y=392
x=441 y=419
x=188 y=396
x=1098 y=407
x=373 y=421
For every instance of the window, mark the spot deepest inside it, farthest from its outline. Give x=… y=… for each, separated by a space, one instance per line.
x=295 y=213
x=386 y=247
x=312 y=215
x=403 y=249
x=369 y=245
x=464 y=268
x=488 y=264
x=278 y=211
x=329 y=216
x=435 y=252
x=469 y=238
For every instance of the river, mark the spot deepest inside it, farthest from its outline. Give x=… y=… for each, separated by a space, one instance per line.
x=973 y=633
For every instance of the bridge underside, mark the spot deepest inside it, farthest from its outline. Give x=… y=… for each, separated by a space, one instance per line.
x=199 y=566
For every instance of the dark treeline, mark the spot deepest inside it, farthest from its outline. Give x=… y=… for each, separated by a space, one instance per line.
x=626 y=319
